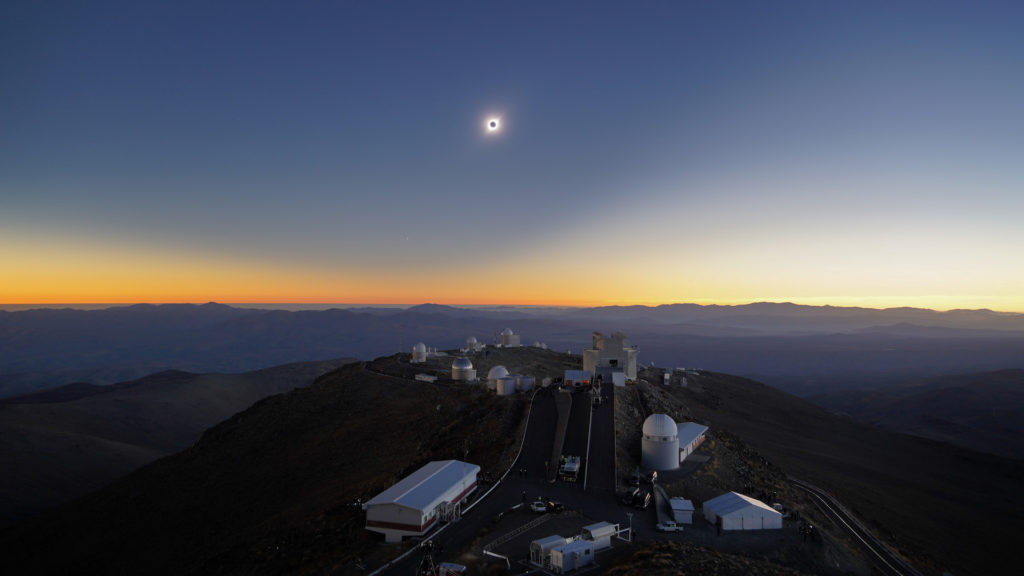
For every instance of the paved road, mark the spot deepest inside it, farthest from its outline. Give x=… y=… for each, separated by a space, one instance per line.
x=885 y=561
x=601 y=462
x=596 y=502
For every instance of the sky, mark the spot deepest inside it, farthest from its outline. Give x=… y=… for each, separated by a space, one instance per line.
x=845 y=153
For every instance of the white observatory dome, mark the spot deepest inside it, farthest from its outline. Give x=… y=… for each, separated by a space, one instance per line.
x=506 y=332
x=660 y=425
x=660 y=443
x=497 y=372
x=462 y=369
x=419 y=353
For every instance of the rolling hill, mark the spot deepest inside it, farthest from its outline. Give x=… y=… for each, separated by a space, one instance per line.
x=983 y=411
x=66 y=442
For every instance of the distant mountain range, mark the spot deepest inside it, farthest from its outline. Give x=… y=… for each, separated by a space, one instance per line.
x=802 y=349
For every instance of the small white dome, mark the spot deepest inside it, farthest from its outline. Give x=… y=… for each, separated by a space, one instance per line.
x=462 y=363
x=420 y=347
x=506 y=332
x=471 y=340
x=660 y=425
x=497 y=372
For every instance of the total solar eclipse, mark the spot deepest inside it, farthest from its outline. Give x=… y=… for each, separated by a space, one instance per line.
x=492 y=124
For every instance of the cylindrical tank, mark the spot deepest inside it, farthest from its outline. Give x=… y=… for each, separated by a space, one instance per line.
x=660 y=443
x=506 y=386
x=525 y=383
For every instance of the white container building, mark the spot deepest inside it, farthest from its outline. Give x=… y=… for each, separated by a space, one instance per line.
x=600 y=534
x=733 y=511
x=682 y=510
x=540 y=550
x=691 y=435
x=576 y=378
x=417 y=502
x=572 y=555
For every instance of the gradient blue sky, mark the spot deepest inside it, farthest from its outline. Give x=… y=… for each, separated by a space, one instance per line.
x=866 y=153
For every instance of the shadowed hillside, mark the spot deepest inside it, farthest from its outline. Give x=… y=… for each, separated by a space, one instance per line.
x=65 y=442
x=271 y=489
x=936 y=502
x=984 y=412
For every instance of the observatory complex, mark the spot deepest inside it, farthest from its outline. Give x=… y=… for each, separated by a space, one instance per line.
x=610 y=354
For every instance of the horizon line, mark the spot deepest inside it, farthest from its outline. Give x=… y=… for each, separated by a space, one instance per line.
x=21 y=306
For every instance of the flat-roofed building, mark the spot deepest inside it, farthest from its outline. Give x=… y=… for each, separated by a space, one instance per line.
x=417 y=502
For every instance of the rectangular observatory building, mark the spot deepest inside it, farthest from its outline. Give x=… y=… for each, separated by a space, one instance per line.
x=416 y=503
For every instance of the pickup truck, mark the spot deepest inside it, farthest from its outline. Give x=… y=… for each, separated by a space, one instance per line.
x=669 y=526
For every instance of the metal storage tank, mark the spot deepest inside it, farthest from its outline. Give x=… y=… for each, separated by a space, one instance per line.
x=525 y=383
x=660 y=443
x=506 y=386
x=462 y=369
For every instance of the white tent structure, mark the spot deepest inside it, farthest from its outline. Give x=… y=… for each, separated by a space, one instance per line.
x=415 y=504
x=734 y=511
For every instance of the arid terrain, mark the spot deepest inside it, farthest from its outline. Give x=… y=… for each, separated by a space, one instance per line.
x=274 y=488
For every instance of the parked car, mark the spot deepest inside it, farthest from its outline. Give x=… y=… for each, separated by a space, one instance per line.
x=555 y=506
x=539 y=506
x=669 y=526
